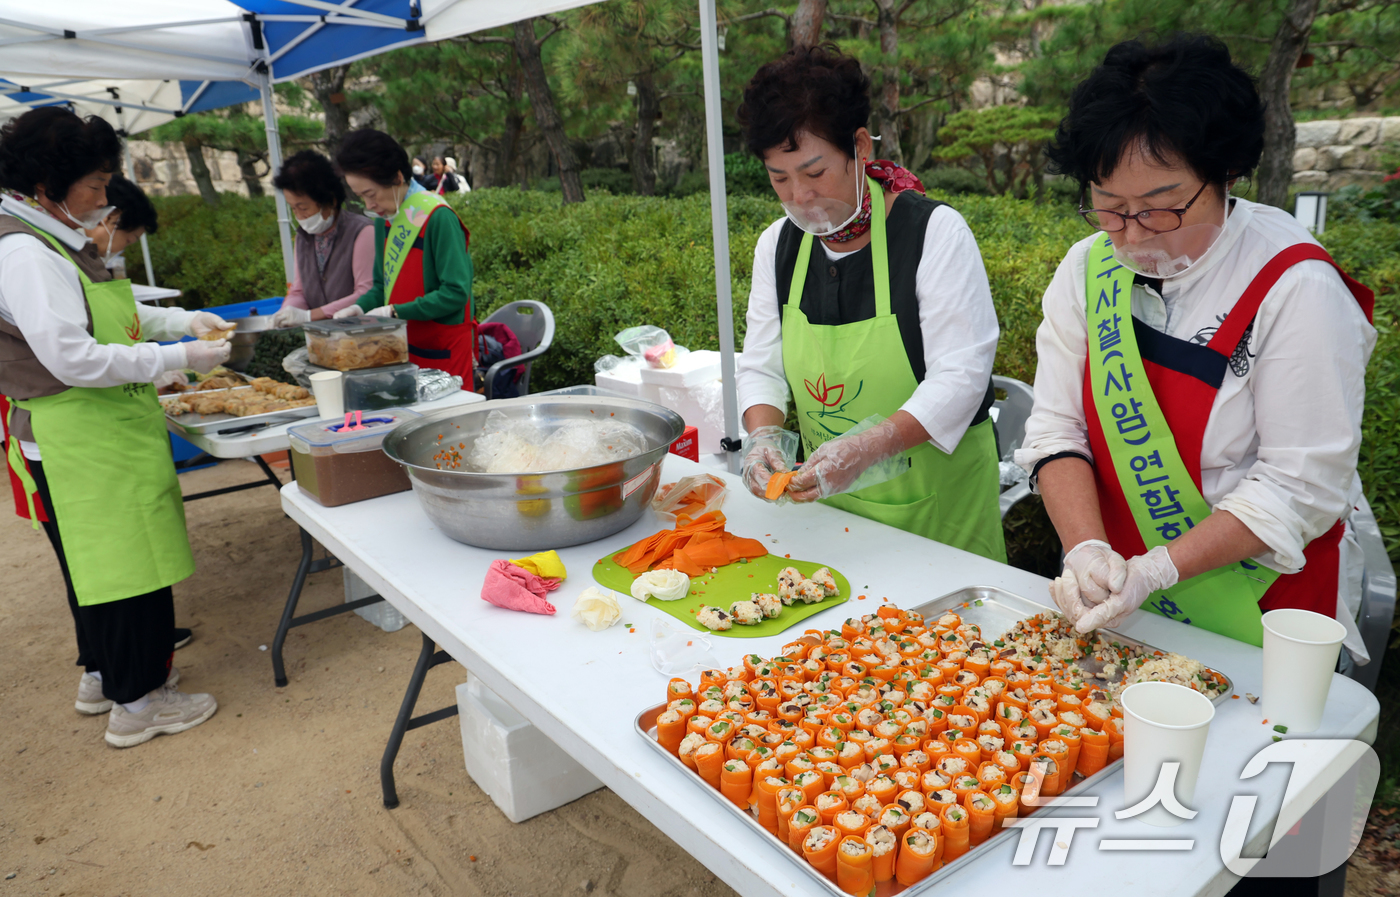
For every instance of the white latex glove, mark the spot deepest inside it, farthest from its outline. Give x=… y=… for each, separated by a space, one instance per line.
x=383 y=311
x=348 y=311
x=290 y=315
x=1147 y=573
x=835 y=465
x=765 y=455
x=1098 y=569
x=205 y=355
x=205 y=322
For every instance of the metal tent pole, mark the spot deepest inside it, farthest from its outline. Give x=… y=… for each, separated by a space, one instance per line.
x=719 y=223
x=274 y=161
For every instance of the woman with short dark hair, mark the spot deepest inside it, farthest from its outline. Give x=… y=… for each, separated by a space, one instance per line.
x=334 y=248
x=86 y=436
x=889 y=324
x=1202 y=363
x=422 y=266
x=133 y=216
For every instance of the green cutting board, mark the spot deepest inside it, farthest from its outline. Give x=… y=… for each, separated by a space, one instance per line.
x=734 y=582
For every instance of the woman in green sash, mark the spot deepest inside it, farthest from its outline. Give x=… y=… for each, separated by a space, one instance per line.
x=870 y=306
x=85 y=433
x=1202 y=364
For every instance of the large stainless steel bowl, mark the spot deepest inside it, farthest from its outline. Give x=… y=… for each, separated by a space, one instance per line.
x=533 y=511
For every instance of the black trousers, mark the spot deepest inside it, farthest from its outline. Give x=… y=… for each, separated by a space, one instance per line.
x=128 y=641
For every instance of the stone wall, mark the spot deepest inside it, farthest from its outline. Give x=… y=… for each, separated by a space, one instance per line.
x=163 y=169
x=1332 y=154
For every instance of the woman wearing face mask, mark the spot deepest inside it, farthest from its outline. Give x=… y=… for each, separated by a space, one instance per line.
x=87 y=437
x=133 y=217
x=1201 y=368
x=335 y=246
x=879 y=313
x=444 y=180
x=420 y=174
x=422 y=267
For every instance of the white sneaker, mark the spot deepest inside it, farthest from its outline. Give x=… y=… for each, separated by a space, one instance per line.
x=169 y=711
x=91 y=701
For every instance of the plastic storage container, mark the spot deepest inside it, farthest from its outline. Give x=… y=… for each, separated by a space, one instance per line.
x=382 y=614
x=364 y=341
x=524 y=772
x=374 y=389
x=336 y=465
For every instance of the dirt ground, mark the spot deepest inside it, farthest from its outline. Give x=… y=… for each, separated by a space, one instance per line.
x=279 y=792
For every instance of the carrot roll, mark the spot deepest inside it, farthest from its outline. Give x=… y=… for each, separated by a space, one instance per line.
x=712 y=677
x=736 y=782
x=803 y=820
x=739 y=748
x=1070 y=737
x=851 y=822
x=981 y=810
x=1114 y=728
x=1007 y=802
x=830 y=803
x=855 y=866
x=885 y=846
x=895 y=818
x=990 y=775
x=789 y=799
x=1048 y=769
x=709 y=760
x=917 y=857
x=720 y=731
x=688 y=746
x=969 y=750
x=811 y=782
x=819 y=847
x=1093 y=751
x=957 y=832
x=679 y=688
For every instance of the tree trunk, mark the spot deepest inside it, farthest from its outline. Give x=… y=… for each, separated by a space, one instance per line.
x=508 y=147
x=248 y=170
x=329 y=87
x=806 y=27
x=1276 y=165
x=889 y=92
x=199 y=169
x=546 y=115
x=648 y=103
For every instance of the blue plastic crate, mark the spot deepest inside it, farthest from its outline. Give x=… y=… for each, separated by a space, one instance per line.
x=238 y=310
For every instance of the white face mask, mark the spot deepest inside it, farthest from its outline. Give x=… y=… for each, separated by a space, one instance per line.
x=316 y=224
x=398 y=204
x=824 y=216
x=109 y=254
x=93 y=219
x=1172 y=253
x=418 y=170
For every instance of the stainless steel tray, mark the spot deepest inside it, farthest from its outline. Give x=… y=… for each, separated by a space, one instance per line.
x=206 y=423
x=993 y=609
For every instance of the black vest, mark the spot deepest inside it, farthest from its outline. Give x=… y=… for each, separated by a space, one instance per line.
x=843 y=291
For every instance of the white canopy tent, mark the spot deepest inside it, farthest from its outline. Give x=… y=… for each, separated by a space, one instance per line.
x=260 y=42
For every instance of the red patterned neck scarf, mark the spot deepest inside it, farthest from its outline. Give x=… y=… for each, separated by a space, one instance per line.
x=891 y=177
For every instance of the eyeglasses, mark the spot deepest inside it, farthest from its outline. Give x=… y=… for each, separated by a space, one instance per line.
x=1158 y=221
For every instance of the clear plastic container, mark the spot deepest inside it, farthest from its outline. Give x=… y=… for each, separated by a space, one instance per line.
x=374 y=389
x=336 y=465
x=350 y=344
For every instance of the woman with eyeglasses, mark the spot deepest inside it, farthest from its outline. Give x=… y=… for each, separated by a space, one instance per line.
x=1201 y=370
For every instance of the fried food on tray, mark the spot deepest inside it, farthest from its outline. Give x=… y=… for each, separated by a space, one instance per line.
x=242 y=402
x=286 y=391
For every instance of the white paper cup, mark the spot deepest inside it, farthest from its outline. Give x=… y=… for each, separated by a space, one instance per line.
x=1300 y=654
x=1163 y=723
x=326 y=386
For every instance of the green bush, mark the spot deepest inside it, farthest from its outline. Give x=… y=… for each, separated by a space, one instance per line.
x=617 y=261
x=955 y=181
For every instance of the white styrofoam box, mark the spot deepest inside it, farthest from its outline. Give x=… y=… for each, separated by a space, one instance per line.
x=524 y=772
x=625 y=379
x=381 y=614
x=691 y=369
x=693 y=390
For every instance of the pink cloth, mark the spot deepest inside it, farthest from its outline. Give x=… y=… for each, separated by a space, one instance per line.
x=516 y=588
x=361 y=264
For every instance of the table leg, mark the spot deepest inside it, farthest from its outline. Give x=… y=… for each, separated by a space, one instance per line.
x=289 y=621
x=269 y=479
x=427 y=659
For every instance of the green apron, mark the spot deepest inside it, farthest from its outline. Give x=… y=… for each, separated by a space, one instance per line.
x=1224 y=600
x=106 y=455
x=842 y=374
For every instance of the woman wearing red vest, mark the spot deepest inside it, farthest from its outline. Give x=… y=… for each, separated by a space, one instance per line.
x=1202 y=364
x=422 y=267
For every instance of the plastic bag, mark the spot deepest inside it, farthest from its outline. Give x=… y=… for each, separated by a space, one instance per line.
x=679 y=652
x=670 y=499
x=653 y=344
x=510 y=445
x=296 y=364
x=434 y=384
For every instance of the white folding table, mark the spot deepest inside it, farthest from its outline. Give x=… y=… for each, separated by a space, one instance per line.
x=584 y=689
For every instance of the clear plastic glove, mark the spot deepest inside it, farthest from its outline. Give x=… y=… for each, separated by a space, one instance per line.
x=838 y=466
x=290 y=316
x=1098 y=569
x=1147 y=573
x=206 y=322
x=383 y=311
x=767 y=450
x=205 y=355
x=349 y=311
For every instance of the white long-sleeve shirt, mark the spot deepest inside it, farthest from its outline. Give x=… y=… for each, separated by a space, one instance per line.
x=40 y=294
x=1281 y=444
x=956 y=319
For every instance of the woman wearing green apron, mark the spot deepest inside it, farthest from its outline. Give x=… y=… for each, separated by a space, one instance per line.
x=1202 y=365
x=870 y=308
x=85 y=435
x=422 y=262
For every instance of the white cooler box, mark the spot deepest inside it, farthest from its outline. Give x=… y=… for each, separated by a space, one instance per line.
x=693 y=390
x=524 y=772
